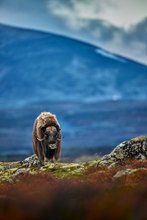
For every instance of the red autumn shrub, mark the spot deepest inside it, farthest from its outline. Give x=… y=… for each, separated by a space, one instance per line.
x=95 y=195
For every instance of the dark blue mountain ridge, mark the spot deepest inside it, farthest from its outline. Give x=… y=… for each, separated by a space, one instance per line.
x=88 y=88
x=38 y=66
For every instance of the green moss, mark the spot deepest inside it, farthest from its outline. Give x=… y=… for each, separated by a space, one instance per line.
x=92 y=163
x=10 y=170
x=64 y=169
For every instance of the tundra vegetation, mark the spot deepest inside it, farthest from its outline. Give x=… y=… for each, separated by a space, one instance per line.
x=112 y=187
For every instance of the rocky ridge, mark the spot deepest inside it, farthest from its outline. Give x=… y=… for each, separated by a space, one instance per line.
x=134 y=149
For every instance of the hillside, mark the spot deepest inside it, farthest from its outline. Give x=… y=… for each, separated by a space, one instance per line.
x=37 y=66
x=87 y=88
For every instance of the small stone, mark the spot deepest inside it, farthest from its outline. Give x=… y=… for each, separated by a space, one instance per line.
x=113 y=165
x=125 y=172
x=18 y=174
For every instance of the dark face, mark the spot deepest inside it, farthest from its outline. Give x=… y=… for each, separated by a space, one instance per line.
x=51 y=135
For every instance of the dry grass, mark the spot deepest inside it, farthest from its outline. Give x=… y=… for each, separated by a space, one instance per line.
x=95 y=195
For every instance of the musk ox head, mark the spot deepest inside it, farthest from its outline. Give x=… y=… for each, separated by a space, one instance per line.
x=51 y=137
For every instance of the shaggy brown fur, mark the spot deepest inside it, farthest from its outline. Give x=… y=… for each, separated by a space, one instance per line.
x=46 y=132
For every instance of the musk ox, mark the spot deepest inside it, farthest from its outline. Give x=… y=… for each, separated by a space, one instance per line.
x=46 y=137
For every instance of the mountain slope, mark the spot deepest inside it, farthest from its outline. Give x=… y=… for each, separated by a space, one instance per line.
x=38 y=66
x=87 y=88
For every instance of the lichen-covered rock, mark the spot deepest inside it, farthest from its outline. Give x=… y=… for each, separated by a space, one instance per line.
x=18 y=174
x=31 y=161
x=134 y=149
x=13 y=171
x=127 y=172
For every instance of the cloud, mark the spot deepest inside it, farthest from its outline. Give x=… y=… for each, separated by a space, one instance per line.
x=78 y=13
x=110 y=55
x=130 y=43
x=124 y=13
x=27 y=13
x=67 y=13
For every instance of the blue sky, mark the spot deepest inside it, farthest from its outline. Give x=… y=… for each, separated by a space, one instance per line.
x=118 y=26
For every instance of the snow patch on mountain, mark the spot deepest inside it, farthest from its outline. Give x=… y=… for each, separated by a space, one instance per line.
x=110 y=55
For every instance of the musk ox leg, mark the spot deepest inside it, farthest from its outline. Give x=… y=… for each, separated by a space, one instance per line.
x=35 y=142
x=58 y=149
x=46 y=153
x=39 y=152
x=50 y=154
